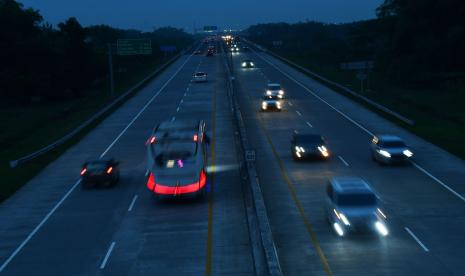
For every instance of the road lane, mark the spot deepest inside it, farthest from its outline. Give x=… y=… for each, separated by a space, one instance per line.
x=95 y=232
x=406 y=199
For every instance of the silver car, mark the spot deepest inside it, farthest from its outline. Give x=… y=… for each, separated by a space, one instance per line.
x=389 y=149
x=274 y=89
x=352 y=206
x=271 y=103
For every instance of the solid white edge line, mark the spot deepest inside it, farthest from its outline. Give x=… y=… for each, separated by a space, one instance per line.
x=44 y=220
x=49 y=214
x=132 y=203
x=343 y=161
x=310 y=125
x=416 y=239
x=298 y=113
x=359 y=125
x=107 y=256
x=438 y=181
x=145 y=107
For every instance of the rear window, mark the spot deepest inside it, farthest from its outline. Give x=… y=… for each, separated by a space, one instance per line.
x=362 y=199
x=314 y=139
x=96 y=166
x=199 y=74
x=170 y=155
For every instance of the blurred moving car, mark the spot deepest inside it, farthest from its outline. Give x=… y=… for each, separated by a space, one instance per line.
x=304 y=146
x=271 y=103
x=234 y=48
x=247 y=64
x=177 y=159
x=352 y=206
x=99 y=172
x=274 y=89
x=389 y=149
x=199 y=77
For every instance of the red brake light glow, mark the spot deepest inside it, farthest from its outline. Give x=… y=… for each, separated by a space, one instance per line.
x=196 y=137
x=151 y=182
x=83 y=171
x=109 y=170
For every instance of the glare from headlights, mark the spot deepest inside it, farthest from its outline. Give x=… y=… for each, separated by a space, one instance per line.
x=278 y=104
x=281 y=92
x=244 y=64
x=324 y=151
x=268 y=92
x=381 y=228
x=251 y=64
x=338 y=229
x=407 y=153
x=381 y=213
x=264 y=105
x=344 y=219
x=385 y=153
x=298 y=154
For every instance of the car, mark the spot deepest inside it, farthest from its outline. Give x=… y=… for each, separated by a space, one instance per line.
x=210 y=52
x=234 y=48
x=197 y=52
x=177 y=159
x=247 y=64
x=274 y=89
x=245 y=49
x=308 y=145
x=271 y=103
x=199 y=77
x=352 y=206
x=389 y=149
x=99 y=172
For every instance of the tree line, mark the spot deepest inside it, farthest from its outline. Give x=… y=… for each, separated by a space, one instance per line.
x=43 y=62
x=417 y=43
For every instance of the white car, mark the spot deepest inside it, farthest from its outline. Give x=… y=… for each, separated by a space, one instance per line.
x=389 y=149
x=271 y=103
x=275 y=89
x=200 y=77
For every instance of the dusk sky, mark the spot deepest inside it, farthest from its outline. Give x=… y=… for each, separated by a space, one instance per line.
x=146 y=14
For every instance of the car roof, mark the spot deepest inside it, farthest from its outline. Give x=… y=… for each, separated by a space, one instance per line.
x=189 y=124
x=350 y=185
x=274 y=84
x=388 y=137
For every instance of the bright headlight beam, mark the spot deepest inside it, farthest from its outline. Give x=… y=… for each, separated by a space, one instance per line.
x=381 y=228
x=344 y=219
x=385 y=153
x=407 y=153
x=338 y=229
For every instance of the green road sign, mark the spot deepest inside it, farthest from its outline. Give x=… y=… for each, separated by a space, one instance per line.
x=128 y=47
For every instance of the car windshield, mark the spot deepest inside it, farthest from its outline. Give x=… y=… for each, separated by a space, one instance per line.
x=274 y=87
x=360 y=199
x=309 y=139
x=167 y=152
x=392 y=144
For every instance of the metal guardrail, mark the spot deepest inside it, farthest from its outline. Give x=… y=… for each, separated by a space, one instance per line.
x=96 y=116
x=338 y=86
x=269 y=253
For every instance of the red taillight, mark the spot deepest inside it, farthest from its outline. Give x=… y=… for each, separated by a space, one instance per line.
x=196 y=137
x=203 y=179
x=151 y=182
x=83 y=171
x=151 y=140
x=109 y=170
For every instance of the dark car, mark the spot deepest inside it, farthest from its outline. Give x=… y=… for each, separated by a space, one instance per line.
x=99 y=173
x=305 y=146
x=247 y=63
x=210 y=52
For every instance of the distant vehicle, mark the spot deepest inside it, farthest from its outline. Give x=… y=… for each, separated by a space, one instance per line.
x=305 y=146
x=247 y=64
x=177 y=159
x=245 y=48
x=234 y=49
x=275 y=89
x=200 y=77
x=210 y=52
x=271 y=103
x=197 y=52
x=352 y=206
x=99 y=172
x=389 y=149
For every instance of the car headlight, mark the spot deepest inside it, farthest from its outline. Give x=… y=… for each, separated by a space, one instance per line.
x=281 y=92
x=344 y=219
x=381 y=228
x=338 y=229
x=244 y=64
x=299 y=149
x=264 y=105
x=384 y=153
x=324 y=151
x=251 y=64
x=268 y=92
x=407 y=153
x=278 y=105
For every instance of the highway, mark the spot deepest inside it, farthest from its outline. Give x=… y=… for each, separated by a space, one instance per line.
x=124 y=231
x=52 y=227
x=424 y=201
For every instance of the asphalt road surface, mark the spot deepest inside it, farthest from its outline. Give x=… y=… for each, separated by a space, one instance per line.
x=52 y=227
x=424 y=200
